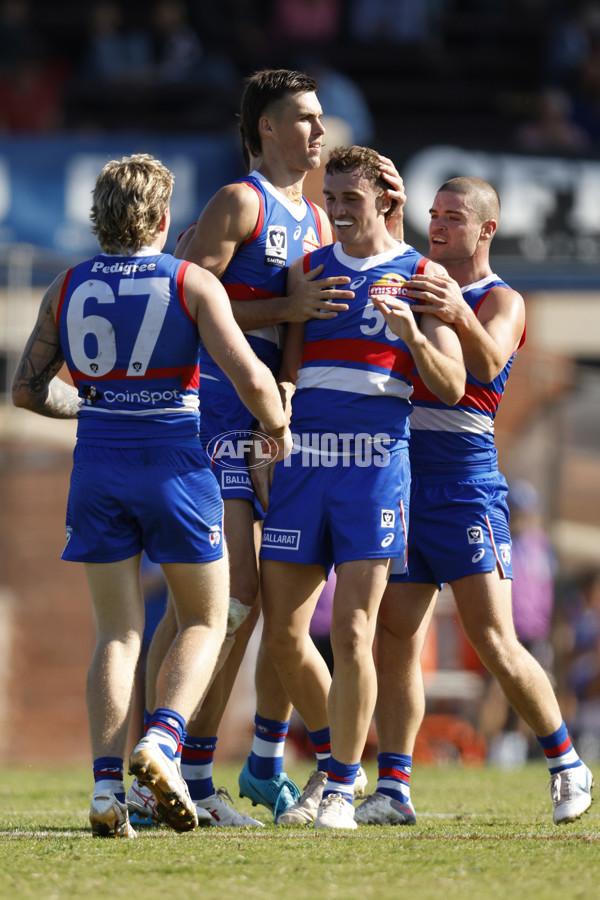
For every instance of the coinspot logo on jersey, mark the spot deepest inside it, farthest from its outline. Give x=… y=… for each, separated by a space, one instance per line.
x=254 y=449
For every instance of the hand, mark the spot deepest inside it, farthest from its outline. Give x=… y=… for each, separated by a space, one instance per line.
x=437 y=294
x=399 y=317
x=396 y=194
x=261 y=478
x=314 y=298
x=261 y=464
x=273 y=449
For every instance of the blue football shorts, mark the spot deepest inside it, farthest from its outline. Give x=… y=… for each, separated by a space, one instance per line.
x=332 y=514
x=457 y=528
x=225 y=423
x=161 y=499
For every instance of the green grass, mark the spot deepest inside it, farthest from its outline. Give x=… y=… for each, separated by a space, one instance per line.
x=480 y=833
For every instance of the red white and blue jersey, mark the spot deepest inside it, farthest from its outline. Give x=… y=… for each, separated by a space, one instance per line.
x=356 y=373
x=131 y=347
x=259 y=269
x=459 y=438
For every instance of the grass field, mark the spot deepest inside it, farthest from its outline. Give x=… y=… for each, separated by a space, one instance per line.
x=481 y=833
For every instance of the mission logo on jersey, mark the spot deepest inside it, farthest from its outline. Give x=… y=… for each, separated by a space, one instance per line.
x=389 y=285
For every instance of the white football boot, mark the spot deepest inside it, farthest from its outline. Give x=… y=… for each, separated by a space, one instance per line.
x=335 y=812
x=223 y=812
x=571 y=792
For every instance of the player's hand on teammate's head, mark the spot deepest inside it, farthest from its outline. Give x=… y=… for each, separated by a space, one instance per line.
x=396 y=191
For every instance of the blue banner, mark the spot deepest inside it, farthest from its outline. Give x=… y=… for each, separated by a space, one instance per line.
x=46 y=184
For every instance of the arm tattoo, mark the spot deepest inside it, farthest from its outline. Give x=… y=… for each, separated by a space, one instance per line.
x=36 y=375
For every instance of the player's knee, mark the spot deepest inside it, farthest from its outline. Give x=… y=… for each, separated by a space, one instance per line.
x=498 y=653
x=244 y=586
x=351 y=640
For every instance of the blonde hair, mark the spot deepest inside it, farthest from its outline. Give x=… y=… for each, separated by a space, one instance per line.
x=129 y=201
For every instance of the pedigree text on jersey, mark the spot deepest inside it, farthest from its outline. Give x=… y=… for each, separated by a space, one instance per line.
x=123 y=267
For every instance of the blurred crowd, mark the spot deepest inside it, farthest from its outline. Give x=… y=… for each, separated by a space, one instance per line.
x=558 y=620
x=178 y=64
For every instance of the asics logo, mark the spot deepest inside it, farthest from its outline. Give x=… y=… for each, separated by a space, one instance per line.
x=354 y=285
x=387 y=539
x=478 y=556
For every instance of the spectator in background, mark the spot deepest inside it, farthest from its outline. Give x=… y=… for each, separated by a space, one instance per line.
x=306 y=22
x=16 y=32
x=534 y=562
x=31 y=94
x=393 y=21
x=178 y=51
x=552 y=125
x=534 y=569
x=114 y=52
x=237 y=28
x=341 y=98
x=580 y=644
x=568 y=43
x=31 y=78
x=181 y=57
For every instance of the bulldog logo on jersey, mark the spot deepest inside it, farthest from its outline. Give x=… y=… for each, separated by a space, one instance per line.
x=90 y=394
x=276 y=246
x=505 y=553
x=310 y=241
x=214 y=536
x=390 y=285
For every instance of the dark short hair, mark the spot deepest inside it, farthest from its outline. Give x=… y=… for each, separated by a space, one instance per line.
x=264 y=88
x=480 y=195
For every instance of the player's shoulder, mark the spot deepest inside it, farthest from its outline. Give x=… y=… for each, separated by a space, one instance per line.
x=430 y=267
x=502 y=293
x=233 y=210
x=237 y=194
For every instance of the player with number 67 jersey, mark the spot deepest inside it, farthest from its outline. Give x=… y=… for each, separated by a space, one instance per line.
x=130 y=377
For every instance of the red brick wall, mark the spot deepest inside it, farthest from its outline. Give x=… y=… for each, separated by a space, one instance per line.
x=51 y=616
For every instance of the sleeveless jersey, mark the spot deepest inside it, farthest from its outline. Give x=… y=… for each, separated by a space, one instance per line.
x=131 y=348
x=356 y=373
x=284 y=231
x=458 y=438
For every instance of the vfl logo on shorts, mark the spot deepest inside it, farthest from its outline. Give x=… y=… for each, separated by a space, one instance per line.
x=388 y=518
x=281 y=538
x=475 y=534
x=215 y=537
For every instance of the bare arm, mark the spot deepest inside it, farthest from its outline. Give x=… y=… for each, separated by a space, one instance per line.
x=208 y=303
x=488 y=338
x=227 y=222
x=290 y=363
x=262 y=477
x=36 y=385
